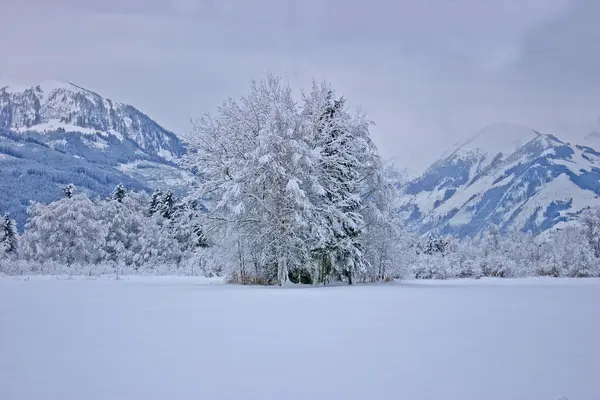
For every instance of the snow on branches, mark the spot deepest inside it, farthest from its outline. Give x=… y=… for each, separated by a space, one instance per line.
x=290 y=182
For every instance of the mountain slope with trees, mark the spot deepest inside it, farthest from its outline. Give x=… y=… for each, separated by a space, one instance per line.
x=56 y=133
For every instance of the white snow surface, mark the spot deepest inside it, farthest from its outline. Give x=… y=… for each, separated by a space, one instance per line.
x=185 y=338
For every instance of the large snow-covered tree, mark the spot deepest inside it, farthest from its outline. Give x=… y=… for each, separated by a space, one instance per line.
x=290 y=184
x=348 y=175
x=255 y=163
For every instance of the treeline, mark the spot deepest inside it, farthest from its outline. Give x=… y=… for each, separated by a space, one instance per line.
x=570 y=252
x=127 y=233
x=133 y=233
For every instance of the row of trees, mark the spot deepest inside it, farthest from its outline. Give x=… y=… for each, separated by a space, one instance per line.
x=570 y=252
x=133 y=233
x=128 y=232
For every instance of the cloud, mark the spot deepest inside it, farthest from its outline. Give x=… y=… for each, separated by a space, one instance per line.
x=565 y=51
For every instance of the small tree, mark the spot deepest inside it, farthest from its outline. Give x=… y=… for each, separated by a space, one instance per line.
x=167 y=205
x=69 y=190
x=119 y=193
x=590 y=221
x=156 y=201
x=8 y=235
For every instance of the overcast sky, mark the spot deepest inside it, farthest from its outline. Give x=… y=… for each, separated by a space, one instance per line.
x=428 y=72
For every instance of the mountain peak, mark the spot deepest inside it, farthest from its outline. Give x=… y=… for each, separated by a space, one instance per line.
x=58 y=106
x=497 y=138
x=46 y=86
x=507 y=175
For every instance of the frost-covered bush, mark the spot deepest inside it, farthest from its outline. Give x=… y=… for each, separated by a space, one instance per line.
x=68 y=231
x=430 y=266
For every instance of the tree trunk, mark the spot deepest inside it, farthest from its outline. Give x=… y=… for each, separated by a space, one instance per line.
x=282 y=273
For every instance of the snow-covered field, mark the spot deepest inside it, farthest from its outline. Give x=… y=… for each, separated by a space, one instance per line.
x=185 y=338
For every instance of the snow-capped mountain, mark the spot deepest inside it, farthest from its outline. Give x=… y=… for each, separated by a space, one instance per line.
x=60 y=106
x=506 y=175
x=55 y=133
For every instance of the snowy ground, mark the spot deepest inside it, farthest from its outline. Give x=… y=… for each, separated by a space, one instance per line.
x=184 y=338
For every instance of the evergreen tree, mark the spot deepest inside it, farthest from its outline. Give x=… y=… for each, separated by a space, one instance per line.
x=156 y=201
x=8 y=238
x=119 y=193
x=69 y=190
x=167 y=205
x=347 y=159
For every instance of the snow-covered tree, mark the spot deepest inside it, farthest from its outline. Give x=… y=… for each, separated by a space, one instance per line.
x=124 y=221
x=167 y=205
x=156 y=201
x=186 y=227
x=590 y=221
x=571 y=252
x=67 y=231
x=385 y=243
x=8 y=235
x=69 y=190
x=345 y=177
x=256 y=163
x=119 y=193
x=292 y=185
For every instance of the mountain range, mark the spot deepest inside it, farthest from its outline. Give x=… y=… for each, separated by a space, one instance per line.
x=511 y=176
x=55 y=133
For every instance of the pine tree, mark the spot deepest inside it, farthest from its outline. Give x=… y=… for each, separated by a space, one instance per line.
x=167 y=206
x=69 y=190
x=119 y=193
x=156 y=201
x=346 y=159
x=8 y=242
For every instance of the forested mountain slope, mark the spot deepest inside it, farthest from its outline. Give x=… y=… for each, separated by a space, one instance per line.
x=56 y=133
